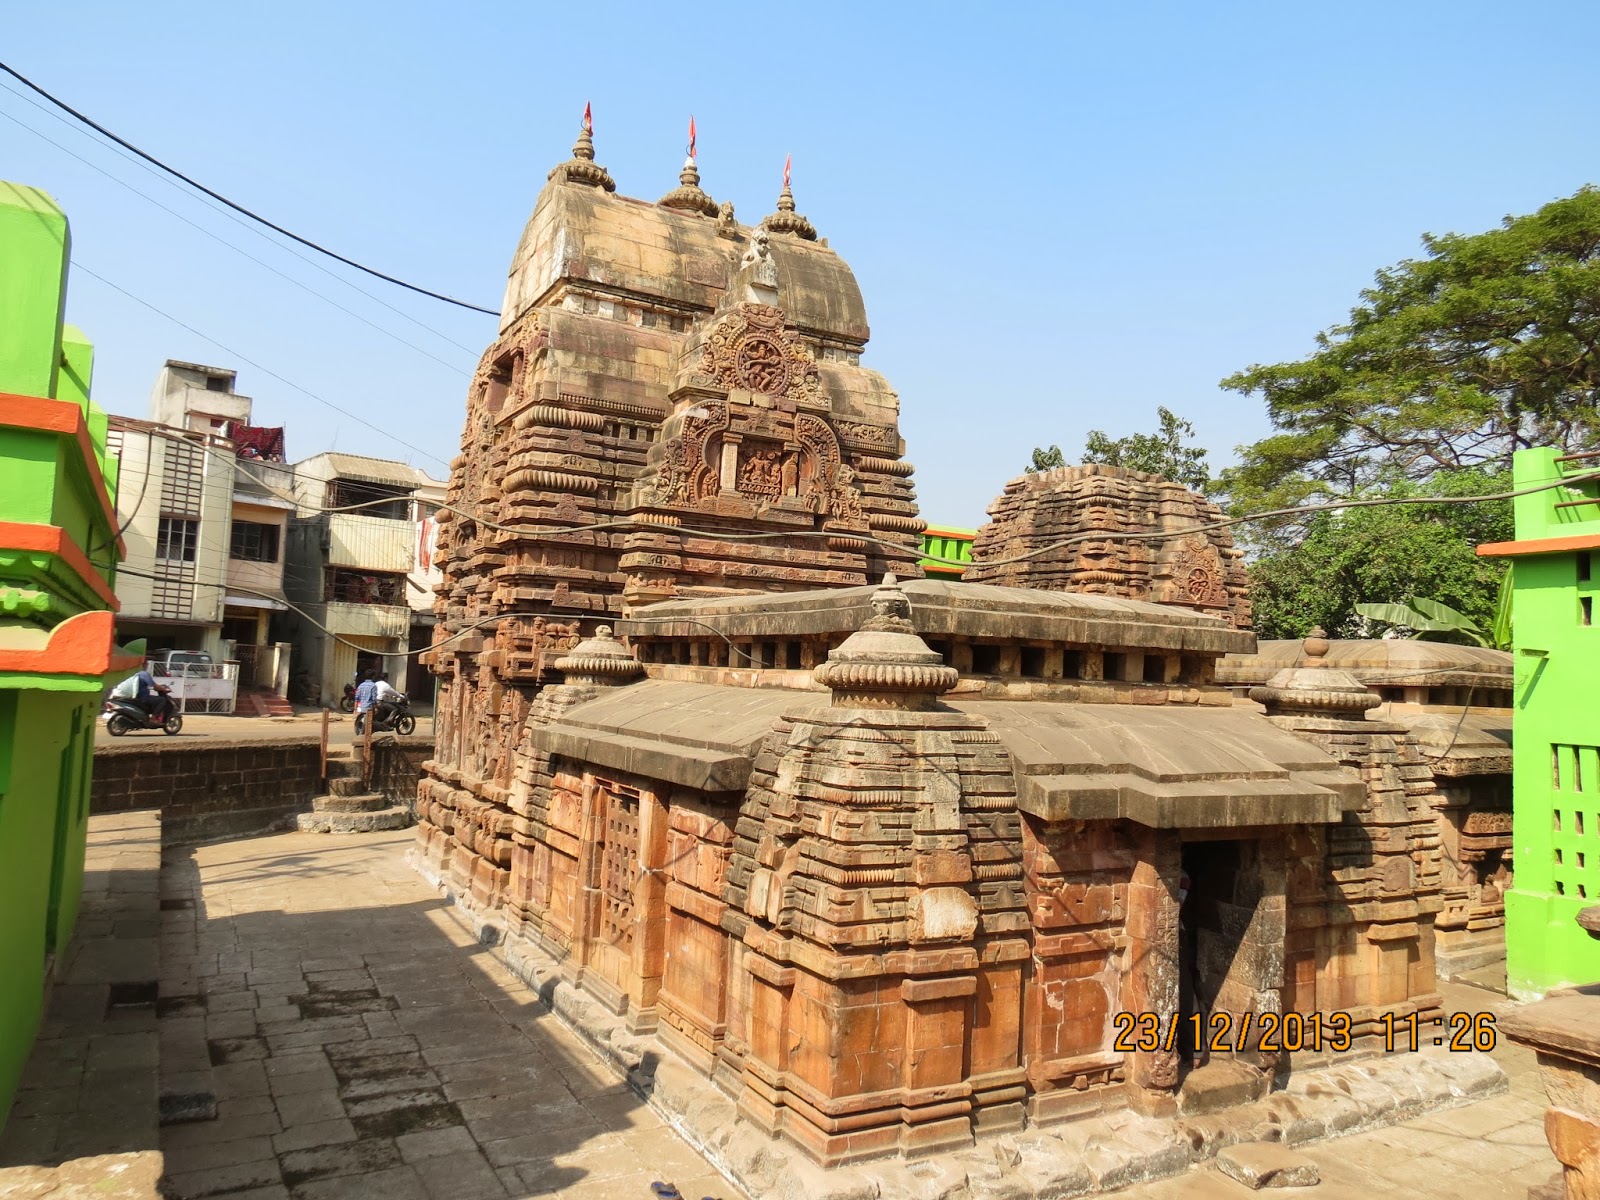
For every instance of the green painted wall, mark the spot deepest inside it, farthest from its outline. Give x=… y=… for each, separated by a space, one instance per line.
x=1556 y=736
x=44 y=824
x=33 y=233
x=47 y=721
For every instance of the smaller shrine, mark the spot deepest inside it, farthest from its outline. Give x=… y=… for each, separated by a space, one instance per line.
x=1107 y=531
x=1455 y=701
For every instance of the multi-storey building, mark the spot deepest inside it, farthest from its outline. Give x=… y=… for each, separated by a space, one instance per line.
x=1556 y=753
x=354 y=561
x=206 y=508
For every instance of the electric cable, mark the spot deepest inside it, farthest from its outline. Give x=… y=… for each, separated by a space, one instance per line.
x=239 y=208
x=251 y=362
x=238 y=250
x=1091 y=536
x=210 y=206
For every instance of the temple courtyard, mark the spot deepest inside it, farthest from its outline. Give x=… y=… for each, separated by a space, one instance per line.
x=358 y=1042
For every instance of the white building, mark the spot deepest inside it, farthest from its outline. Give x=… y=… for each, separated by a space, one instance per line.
x=205 y=528
x=357 y=572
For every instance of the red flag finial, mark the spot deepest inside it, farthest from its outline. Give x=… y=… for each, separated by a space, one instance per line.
x=788 y=164
x=691 y=136
x=588 y=118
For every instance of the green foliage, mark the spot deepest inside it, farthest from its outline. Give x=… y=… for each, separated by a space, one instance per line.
x=1427 y=617
x=1368 y=555
x=1167 y=453
x=1489 y=343
x=1045 y=460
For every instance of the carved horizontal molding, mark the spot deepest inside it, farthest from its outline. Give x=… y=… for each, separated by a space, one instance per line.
x=620 y=408
x=885 y=466
x=549 y=414
x=536 y=479
x=896 y=522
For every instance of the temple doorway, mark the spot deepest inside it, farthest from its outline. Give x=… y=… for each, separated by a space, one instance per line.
x=1230 y=944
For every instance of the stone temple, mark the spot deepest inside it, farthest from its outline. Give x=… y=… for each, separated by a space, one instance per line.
x=863 y=876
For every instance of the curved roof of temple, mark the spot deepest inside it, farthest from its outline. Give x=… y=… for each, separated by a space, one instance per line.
x=1079 y=529
x=691 y=385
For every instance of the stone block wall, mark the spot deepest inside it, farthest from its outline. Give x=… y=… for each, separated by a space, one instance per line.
x=223 y=789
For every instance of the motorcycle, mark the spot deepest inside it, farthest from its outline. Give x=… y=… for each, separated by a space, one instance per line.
x=121 y=715
x=347 y=702
x=394 y=714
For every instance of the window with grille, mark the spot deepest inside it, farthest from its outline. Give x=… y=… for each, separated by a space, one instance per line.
x=176 y=539
x=369 y=499
x=344 y=586
x=183 y=478
x=254 y=542
x=1575 y=817
x=619 y=865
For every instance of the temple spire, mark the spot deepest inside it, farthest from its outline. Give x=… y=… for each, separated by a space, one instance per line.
x=687 y=196
x=786 y=220
x=581 y=167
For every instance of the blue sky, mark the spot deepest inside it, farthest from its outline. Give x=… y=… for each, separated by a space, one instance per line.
x=1061 y=215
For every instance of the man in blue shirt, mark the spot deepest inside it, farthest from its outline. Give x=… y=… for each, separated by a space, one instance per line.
x=366 y=695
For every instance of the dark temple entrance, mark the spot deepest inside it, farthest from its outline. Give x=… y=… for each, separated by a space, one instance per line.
x=1230 y=958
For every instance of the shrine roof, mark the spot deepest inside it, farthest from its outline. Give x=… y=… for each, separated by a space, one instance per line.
x=1163 y=767
x=1166 y=767
x=942 y=608
x=1380 y=661
x=1456 y=743
x=614 y=243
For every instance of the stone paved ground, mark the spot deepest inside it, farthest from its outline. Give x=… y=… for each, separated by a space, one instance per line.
x=361 y=1045
x=1492 y=1150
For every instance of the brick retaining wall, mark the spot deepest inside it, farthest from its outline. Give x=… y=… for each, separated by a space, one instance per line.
x=222 y=789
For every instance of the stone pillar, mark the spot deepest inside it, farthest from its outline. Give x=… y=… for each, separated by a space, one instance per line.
x=1152 y=975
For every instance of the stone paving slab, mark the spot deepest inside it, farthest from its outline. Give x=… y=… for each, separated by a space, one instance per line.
x=84 y=1119
x=361 y=1043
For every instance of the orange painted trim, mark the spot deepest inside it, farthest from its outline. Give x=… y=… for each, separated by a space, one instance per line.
x=80 y=645
x=1555 y=545
x=61 y=416
x=965 y=535
x=52 y=539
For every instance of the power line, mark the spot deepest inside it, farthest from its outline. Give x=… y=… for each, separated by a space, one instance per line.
x=254 y=230
x=251 y=362
x=238 y=250
x=239 y=208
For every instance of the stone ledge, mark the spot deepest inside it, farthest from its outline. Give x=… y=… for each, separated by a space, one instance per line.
x=1082 y=1157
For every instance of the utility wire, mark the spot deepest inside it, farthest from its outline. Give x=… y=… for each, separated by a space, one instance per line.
x=239 y=208
x=1107 y=535
x=217 y=238
x=251 y=362
x=223 y=212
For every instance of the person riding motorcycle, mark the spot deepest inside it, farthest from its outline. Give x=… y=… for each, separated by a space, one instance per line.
x=383 y=698
x=144 y=691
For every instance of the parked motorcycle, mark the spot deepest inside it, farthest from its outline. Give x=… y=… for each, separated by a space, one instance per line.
x=121 y=716
x=347 y=702
x=394 y=714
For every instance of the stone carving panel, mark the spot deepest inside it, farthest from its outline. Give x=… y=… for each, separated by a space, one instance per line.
x=752 y=351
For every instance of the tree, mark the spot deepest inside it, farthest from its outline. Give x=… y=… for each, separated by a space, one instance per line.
x=1045 y=460
x=1487 y=344
x=1166 y=453
x=1428 y=620
x=1365 y=555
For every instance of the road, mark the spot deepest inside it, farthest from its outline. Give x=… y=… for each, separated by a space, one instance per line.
x=226 y=728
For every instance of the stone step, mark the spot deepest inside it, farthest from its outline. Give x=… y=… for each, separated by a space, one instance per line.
x=360 y=802
x=340 y=786
x=397 y=817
